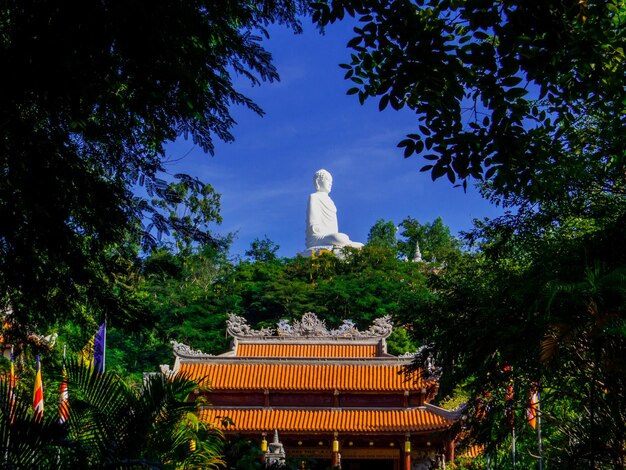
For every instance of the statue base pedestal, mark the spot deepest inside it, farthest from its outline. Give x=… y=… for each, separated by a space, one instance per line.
x=336 y=250
x=319 y=250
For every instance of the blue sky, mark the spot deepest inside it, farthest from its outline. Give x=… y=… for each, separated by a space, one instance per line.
x=266 y=175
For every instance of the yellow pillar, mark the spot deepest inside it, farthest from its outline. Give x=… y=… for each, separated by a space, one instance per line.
x=407 y=454
x=335 y=454
x=263 y=448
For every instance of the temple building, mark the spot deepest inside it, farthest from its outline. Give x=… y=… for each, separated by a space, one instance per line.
x=324 y=398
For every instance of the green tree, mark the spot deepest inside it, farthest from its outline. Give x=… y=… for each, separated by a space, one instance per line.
x=183 y=296
x=267 y=291
x=528 y=305
x=383 y=234
x=191 y=305
x=588 y=332
x=400 y=342
x=186 y=213
x=363 y=285
x=182 y=305
x=520 y=94
x=433 y=240
x=263 y=250
x=96 y=91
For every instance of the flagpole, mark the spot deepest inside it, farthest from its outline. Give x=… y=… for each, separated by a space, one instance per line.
x=509 y=407
x=539 y=430
x=12 y=405
x=64 y=415
x=513 y=442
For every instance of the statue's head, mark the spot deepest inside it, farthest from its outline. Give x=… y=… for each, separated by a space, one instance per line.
x=323 y=181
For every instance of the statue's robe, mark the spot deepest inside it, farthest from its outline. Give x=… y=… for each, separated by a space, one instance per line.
x=322 y=227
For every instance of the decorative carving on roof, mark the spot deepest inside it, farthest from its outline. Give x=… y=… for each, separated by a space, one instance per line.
x=347 y=329
x=309 y=326
x=431 y=369
x=183 y=350
x=238 y=326
x=380 y=327
x=284 y=328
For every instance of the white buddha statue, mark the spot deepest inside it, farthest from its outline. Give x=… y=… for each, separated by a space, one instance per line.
x=322 y=229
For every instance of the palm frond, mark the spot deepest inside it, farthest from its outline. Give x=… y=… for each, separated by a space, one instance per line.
x=110 y=425
x=26 y=443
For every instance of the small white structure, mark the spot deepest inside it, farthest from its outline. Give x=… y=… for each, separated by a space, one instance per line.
x=417 y=258
x=275 y=454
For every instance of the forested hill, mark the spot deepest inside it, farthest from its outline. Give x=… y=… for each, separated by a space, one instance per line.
x=187 y=296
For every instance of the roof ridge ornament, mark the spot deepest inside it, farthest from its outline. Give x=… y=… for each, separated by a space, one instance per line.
x=182 y=350
x=238 y=327
x=380 y=327
x=309 y=326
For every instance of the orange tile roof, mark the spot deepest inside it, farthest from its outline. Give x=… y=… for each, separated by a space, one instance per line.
x=328 y=420
x=307 y=350
x=273 y=376
x=473 y=451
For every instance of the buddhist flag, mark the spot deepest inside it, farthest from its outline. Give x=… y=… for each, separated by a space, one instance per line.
x=38 y=392
x=534 y=418
x=483 y=406
x=64 y=411
x=99 y=348
x=12 y=388
x=94 y=352
x=533 y=408
x=509 y=412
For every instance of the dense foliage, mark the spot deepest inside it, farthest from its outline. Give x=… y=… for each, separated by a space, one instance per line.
x=546 y=312
x=90 y=94
x=187 y=296
x=513 y=92
x=111 y=424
